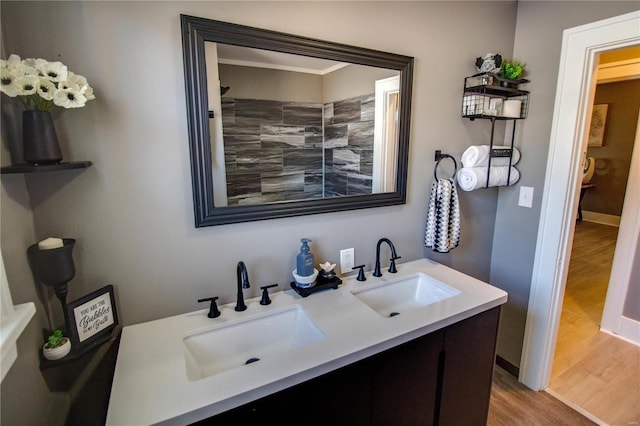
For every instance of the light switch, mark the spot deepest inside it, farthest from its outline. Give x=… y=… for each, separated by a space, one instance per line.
x=526 y=196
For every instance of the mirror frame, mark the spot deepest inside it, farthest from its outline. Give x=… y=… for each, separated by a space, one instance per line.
x=195 y=32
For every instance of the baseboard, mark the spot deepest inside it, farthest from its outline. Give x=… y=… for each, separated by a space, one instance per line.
x=576 y=407
x=507 y=366
x=629 y=331
x=601 y=218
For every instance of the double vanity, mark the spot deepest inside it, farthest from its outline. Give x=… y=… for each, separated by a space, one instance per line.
x=412 y=347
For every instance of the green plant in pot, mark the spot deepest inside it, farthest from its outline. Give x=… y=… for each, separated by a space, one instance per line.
x=511 y=70
x=57 y=346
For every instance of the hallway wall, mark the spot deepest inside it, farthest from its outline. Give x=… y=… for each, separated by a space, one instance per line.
x=613 y=159
x=538 y=43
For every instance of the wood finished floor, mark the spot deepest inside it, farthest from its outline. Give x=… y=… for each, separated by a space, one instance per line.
x=594 y=370
x=512 y=403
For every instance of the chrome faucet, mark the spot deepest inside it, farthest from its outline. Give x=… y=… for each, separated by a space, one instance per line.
x=394 y=256
x=243 y=282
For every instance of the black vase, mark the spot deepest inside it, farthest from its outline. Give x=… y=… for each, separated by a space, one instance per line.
x=39 y=140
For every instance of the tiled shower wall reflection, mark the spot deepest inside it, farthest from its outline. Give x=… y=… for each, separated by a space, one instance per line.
x=275 y=151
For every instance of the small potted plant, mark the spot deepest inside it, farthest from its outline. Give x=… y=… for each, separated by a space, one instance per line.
x=511 y=70
x=57 y=346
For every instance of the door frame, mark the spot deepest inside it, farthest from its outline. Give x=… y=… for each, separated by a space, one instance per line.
x=613 y=319
x=575 y=91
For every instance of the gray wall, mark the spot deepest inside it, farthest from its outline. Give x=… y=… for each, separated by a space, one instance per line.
x=613 y=159
x=24 y=394
x=273 y=85
x=538 y=40
x=132 y=213
x=351 y=81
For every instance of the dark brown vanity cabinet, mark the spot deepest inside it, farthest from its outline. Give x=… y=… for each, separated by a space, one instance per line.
x=443 y=378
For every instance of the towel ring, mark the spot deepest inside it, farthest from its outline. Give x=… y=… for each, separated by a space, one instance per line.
x=439 y=157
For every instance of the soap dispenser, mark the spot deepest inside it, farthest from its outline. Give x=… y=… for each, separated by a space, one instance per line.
x=305 y=261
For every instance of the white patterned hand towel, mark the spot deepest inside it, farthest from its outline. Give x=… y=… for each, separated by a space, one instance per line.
x=443 y=217
x=470 y=178
x=478 y=156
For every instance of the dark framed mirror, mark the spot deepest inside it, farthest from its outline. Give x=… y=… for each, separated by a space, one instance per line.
x=282 y=125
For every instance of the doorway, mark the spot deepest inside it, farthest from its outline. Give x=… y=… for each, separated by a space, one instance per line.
x=581 y=49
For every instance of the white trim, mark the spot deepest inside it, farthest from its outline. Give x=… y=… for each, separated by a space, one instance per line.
x=384 y=150
x=574 y=96
x=619 y=71
x=283 y=67
x=13 y=321
x=630 y=325
x=625 y=254
x=601 y=218
x=576 y=407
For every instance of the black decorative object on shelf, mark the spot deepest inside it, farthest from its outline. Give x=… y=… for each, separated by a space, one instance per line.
x=28 y=168
x=39 y=140
x=321 y=284
x=55 y=268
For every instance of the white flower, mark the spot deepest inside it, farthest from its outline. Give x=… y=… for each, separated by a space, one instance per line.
x=8 y=82
x=54 y=71
x=46 y=89
x=28 y=84
x=78 y=82
x=69 y=98
x=88 y=93
x=14 y=62
x=40 y=85
x=327 y=266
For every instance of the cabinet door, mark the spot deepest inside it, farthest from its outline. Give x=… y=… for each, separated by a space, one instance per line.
x=405 y=383
x=469 y=353
x=341 y=397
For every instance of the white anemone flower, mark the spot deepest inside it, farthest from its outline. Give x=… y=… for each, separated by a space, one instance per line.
x=54 y=71
x=77 y=79
x=88 y=93
x=46 y=89
x=8 y=82
x=69 y=98
x=40 y=85
x=14 y=62
x=28 y=84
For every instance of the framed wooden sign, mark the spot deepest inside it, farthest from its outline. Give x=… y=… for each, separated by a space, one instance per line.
x=93 y=317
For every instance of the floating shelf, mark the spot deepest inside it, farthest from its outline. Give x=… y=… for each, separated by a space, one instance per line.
x=481 y=89
x=28 y=168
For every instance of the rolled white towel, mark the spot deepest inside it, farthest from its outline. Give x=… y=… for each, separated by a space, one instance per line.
x=470 y=178
x=478 y=156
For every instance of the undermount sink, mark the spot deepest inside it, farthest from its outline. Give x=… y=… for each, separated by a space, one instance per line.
x=229 y=346
x=405 y=294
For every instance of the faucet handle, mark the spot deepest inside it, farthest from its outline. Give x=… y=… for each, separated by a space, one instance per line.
x=265 y=294
x=361 y=276
x=213 y=308
x=392 y=267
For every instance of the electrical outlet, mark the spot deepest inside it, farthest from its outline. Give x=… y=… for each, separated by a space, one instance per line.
x=526 y=196
x=347 y=257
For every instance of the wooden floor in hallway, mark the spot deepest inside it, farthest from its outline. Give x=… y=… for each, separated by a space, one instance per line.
x=512 y=403
x=593 y=370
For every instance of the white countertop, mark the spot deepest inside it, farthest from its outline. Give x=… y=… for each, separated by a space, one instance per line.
x=150 y=384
